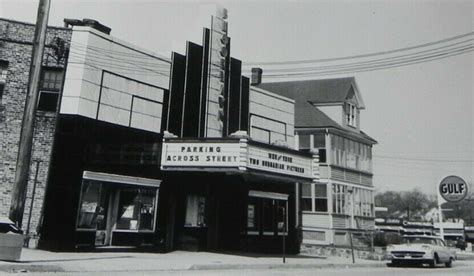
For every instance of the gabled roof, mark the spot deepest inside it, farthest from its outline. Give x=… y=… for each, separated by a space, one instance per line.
x=310 y=93
x=306 y=115
x=318 y=92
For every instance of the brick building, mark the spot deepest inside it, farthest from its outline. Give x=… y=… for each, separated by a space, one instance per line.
x=15 y=57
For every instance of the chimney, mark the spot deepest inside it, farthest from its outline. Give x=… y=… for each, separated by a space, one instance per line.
x=96 y=25
x=256 y=76
x=87 y=22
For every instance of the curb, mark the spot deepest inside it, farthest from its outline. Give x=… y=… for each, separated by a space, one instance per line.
x=18 y=268
x=283 y=266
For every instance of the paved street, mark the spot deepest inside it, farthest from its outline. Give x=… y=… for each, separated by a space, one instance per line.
x=461 y=268
x=39 y=262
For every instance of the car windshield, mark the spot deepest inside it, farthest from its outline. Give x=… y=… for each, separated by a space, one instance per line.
x=419 y=240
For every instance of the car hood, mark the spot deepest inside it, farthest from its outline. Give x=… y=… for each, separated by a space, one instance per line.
x=410 y=247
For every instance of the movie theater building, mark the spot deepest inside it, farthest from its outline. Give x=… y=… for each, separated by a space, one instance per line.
x=181 y=153
x=231 y=172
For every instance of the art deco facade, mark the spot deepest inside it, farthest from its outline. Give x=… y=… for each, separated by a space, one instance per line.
x=136 y=149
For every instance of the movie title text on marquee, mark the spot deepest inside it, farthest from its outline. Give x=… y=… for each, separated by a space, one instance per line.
x=278 y=162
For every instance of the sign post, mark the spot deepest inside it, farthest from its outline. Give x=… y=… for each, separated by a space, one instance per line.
x=451 y=189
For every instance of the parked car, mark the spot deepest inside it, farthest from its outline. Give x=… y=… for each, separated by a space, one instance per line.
x=461 y=244
x=11 y=240
x=7 y=226
x=417 y=249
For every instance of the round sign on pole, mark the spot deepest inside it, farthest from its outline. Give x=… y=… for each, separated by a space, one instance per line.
x=453 y=188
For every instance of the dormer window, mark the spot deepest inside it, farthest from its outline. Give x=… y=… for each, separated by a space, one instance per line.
x=351 y=115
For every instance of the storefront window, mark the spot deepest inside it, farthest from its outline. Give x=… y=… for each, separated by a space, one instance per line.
x=195 y=211
x=281 y=217
x=136 y=209
x=251 y=216
x=89 y=206
x=268 y=218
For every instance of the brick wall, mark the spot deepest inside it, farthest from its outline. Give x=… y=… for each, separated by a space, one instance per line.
x=15 y=48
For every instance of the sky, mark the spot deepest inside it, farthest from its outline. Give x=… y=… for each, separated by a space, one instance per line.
x=421 y=114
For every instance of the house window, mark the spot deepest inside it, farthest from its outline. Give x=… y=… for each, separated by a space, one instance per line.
x=50 y=86
x=351 y=115
x=306 y=197
x=320 y=198
x=339 y=194
x=314 y=198
x=319 y=140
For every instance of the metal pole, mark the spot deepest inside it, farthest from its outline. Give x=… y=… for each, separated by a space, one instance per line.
x=32 y=197
x=27 y=129
x=284 y=231
x=352 y=246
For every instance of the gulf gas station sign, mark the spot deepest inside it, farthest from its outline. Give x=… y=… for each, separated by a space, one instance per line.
x=453 y=188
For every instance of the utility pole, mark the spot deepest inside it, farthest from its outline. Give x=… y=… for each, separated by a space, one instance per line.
x=27 y=128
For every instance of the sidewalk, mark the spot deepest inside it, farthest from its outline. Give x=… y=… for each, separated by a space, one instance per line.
x=46 y=261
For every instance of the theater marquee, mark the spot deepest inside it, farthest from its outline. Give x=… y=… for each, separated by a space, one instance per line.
x=242 y=155
x=203 y=154
x=276 y=161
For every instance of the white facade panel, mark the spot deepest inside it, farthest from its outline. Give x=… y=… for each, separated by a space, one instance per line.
x=276 y=103
x=114 y=115
x=110 y=71
x=146 y=107
x=273 y=126
x=89 y=91
x=70 y=104
x=270 y=112
x=87 y=108
x=271 y=117
x=147 y=122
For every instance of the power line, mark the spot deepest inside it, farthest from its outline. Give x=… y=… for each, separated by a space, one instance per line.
x=370 y=65
x=359 y=56
x=375 y=61
x=422 y=159
x=135 y=64
x=143 y=55
x=99 y=55
x=134 y=70
x=374 y=68
x=115 y=69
